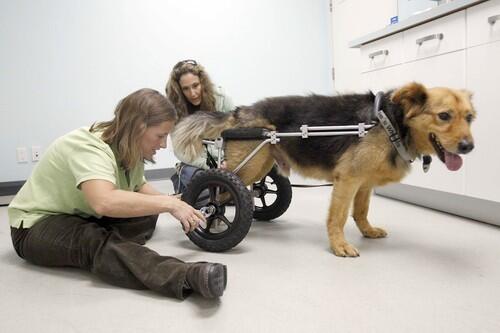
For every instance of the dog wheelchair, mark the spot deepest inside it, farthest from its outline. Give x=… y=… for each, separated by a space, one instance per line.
x=228 y=205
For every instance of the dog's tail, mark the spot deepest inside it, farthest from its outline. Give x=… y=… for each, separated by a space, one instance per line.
x=189 y=132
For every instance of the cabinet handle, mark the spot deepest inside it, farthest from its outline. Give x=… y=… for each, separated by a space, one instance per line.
x=493 y=19
x=375 y=54
x=430 y=37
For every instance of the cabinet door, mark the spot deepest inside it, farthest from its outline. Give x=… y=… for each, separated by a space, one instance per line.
x=388 y=78
x=483 y=23
x=441 y=36
x=382 y=53
x=483 y=166
x=445 y=70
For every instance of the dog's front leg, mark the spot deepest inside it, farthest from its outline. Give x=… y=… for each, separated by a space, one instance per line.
x=360 y=214
x=342 y=197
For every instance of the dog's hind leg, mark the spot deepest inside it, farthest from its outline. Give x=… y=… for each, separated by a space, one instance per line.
x=360 y=214
x=256 y=168
x=342 y=197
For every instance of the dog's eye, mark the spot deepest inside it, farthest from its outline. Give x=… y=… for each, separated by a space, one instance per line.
x=444 y=116
x=469 y=118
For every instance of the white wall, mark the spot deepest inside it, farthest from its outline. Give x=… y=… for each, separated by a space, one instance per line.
x=66 y=63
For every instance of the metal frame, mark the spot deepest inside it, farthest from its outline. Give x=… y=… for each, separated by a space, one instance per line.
x=305 y=132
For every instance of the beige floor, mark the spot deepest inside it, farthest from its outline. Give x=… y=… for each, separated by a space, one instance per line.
x=434 y=273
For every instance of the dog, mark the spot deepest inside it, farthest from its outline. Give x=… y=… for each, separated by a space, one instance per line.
x=429 y=121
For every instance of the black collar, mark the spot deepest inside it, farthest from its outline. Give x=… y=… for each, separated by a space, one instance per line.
x=393 y=134
x=391 y=131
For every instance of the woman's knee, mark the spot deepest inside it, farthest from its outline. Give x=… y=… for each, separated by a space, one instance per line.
x=18 y=235
x=62 y=240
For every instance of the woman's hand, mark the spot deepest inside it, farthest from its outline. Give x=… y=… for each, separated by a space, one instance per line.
x=189 y=217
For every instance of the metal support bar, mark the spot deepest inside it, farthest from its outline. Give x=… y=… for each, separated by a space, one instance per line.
x=252 y=154
x=292 y=134
x=307 y=131
x=334 y=128
x=219 y=144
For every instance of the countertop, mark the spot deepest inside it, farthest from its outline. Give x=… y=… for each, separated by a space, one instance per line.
x=415 y=20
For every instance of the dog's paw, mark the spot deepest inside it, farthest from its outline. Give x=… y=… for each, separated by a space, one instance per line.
x=345 y=250
x=374 y=233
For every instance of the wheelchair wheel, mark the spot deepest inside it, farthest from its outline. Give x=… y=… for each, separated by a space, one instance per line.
x=210 y=191
x=273 y=195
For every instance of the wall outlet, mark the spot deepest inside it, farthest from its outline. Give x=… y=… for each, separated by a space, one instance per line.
x=36 y=153
x=22 y=155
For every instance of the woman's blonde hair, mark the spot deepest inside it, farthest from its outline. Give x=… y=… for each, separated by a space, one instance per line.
x=133 y=115
x=174 y=90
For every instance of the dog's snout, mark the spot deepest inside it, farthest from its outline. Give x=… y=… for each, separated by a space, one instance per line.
x=465 y=146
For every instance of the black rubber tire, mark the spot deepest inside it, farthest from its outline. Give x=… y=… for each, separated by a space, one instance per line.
x=283 y=194
x=239 y=196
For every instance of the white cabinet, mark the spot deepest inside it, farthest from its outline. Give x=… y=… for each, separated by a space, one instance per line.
x=383 y=53
x=460 y=50
x=387 y=79
x=483 y=23
x=351 y=19
x=441 y=36
x=483 y=166
x=447 y=70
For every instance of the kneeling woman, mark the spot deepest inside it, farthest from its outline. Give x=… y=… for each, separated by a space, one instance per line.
x=88 y=205
x=190 y=89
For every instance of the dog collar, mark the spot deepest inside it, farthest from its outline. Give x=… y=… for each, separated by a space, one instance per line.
x=390 y=129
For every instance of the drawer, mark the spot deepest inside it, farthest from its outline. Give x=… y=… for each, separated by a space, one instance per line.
x=446 y=70
x=382 y=53
x=483 y=23
x=443 y=35
x=388 y=78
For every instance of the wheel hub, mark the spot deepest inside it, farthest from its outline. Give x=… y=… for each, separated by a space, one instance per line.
x=208 y=211
x=259 y=190
x=212 y=210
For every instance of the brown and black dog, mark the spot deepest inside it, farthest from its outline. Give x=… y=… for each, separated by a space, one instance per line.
x=429 y=121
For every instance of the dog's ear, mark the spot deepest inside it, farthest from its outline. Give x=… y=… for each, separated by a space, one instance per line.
x=412 y=97
x=467 y=93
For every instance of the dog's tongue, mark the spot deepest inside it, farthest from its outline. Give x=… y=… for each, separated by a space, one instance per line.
x=453 y=161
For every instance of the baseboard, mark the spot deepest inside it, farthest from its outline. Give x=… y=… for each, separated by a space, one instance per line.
x=473 y=208
x=11 y=188
x=159 y=174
